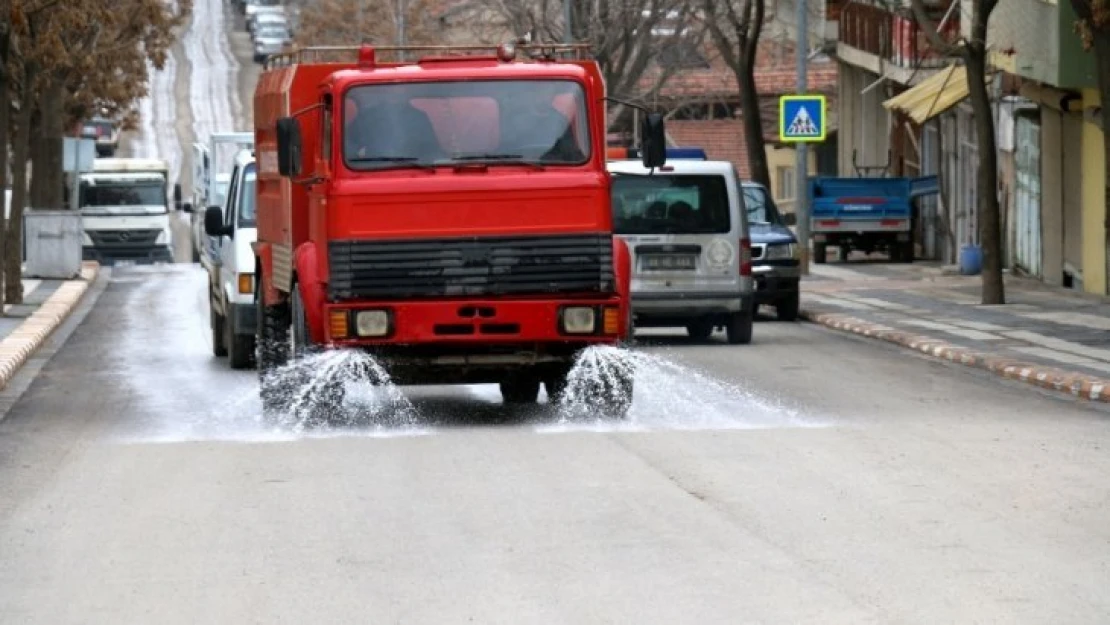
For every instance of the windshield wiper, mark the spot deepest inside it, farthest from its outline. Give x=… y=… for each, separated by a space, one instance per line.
x=398 y=161
x=493 y=159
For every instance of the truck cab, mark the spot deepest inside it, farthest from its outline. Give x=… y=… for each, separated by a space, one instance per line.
x=449 y=215
x=232 y=317
x=687 y=230
x=125 y=209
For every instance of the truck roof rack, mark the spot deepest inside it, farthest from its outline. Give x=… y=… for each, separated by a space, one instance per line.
x=399 y=54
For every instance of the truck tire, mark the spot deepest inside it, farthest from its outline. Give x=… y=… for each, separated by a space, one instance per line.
x=786 y=309
x=520 y=390
x=272 y=346
x=327 y=405
x=907 y=253
x=820 y=253
x=700 y=330
x=739 y=328
x=216 y=322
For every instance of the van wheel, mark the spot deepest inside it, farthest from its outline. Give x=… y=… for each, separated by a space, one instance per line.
x=700 y=330
x=786 y=309
x=217 y=323
x=739 y=328
x=820 y=253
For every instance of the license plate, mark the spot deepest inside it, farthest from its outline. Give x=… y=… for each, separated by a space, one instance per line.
x=663 y=262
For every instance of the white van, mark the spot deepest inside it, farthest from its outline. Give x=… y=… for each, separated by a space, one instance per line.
x=231 y=269
x=687 y=230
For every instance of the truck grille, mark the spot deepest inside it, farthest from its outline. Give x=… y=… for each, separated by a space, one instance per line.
x=123 y=238
x=475 y=266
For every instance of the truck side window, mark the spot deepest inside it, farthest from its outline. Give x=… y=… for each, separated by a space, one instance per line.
x=326 y=130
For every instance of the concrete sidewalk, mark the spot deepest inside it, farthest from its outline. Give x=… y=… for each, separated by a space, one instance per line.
x=1046 y=336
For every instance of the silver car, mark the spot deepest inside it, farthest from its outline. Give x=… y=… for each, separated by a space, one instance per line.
x=268 y=40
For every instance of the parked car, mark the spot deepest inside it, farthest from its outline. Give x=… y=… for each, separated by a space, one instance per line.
x=270 y=39
x=269 y=15
x=776 y=259
x=250 y=7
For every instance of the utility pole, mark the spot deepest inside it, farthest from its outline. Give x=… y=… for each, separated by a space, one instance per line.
x=568 y=30
x=801 y=166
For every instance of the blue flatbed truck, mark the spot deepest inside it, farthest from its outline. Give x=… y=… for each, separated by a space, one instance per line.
x=866 y=214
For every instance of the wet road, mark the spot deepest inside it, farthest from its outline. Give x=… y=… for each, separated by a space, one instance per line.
x=809 y=477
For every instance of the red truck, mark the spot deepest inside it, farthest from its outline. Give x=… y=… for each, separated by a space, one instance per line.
x=449 y=215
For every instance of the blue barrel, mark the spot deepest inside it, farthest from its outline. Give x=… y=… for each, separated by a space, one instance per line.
x=971 y=260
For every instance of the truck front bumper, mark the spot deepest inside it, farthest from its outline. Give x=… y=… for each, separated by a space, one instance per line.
x=776 y=279
x=469 y=342
x=134 y=254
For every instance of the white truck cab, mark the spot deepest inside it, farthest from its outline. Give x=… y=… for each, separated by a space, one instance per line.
x=125 y=211
x=688 y=233
x=231 y=267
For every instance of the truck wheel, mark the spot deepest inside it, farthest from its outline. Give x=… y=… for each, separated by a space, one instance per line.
x=786 y=309
x=700 y=330
x=217 y=323
x=617 y=396
x=520 y=390
x=555 y=384
x=327 y=405
x=272 y=346
x=820 y=253
x=907 y=252
x=739 y=328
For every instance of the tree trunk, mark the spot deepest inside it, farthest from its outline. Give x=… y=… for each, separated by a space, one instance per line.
x=13 y=237
x=753 y=122
x=5 y=131
x=990 y=219
x=48 y=181
x=36 y=152
x=1102 y=56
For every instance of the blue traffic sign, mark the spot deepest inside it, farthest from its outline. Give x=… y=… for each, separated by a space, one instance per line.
x=802 y=118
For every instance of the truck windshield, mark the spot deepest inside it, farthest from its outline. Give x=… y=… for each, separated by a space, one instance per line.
x=542 y=122
x=670 y=204
x=761 y=208
x=246 y=198
x=117 y=194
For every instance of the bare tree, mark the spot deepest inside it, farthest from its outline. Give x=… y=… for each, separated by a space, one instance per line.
x=735 y=27
x=973 y=51
x=349 y=22
x=626 y=37
x=1094 y=28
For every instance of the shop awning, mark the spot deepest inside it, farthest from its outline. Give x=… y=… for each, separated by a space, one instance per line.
x=932 y=96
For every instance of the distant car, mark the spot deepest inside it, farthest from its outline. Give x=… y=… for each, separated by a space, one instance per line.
x=104 y=132
x=250 y=7
x=270 y=40
x=268 y=15
x=776 y=267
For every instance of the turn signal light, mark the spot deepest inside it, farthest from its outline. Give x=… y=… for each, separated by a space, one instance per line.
x=611 y=320
x=246 y=283
x=337 y=324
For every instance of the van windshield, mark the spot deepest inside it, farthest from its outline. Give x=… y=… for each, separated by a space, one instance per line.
x=670 y=205
x=761 y=208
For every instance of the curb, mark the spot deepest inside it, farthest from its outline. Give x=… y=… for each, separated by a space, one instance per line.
x=24 y=341
x=1076 y=384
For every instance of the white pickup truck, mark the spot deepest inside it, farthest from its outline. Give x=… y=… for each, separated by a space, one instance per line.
x=231 y=267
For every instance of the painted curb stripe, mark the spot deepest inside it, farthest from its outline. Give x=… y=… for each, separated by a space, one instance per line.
x=1051 y=378
x=24 y=341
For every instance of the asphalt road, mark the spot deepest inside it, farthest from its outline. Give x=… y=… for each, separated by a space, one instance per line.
x=810 y=477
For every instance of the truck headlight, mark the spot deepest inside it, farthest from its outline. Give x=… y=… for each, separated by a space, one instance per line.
x=782 y=251
x=579 y=320
x=372 y=323
x=86 y=240
x=163 y=238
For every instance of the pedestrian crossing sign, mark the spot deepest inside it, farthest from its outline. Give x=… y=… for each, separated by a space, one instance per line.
x=802 y=118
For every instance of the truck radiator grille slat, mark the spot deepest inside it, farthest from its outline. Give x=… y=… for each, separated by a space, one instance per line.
x=472 y=266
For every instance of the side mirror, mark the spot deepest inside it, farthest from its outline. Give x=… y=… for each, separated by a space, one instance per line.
x=187 y=207
x=214 y=222
x=289 y=147
x=654 y=141
x=790 y=219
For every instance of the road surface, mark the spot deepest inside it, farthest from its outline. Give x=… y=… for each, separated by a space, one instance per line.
x=811 y=477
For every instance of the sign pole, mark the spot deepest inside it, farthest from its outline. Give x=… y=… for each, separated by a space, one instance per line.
x=801 y=166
